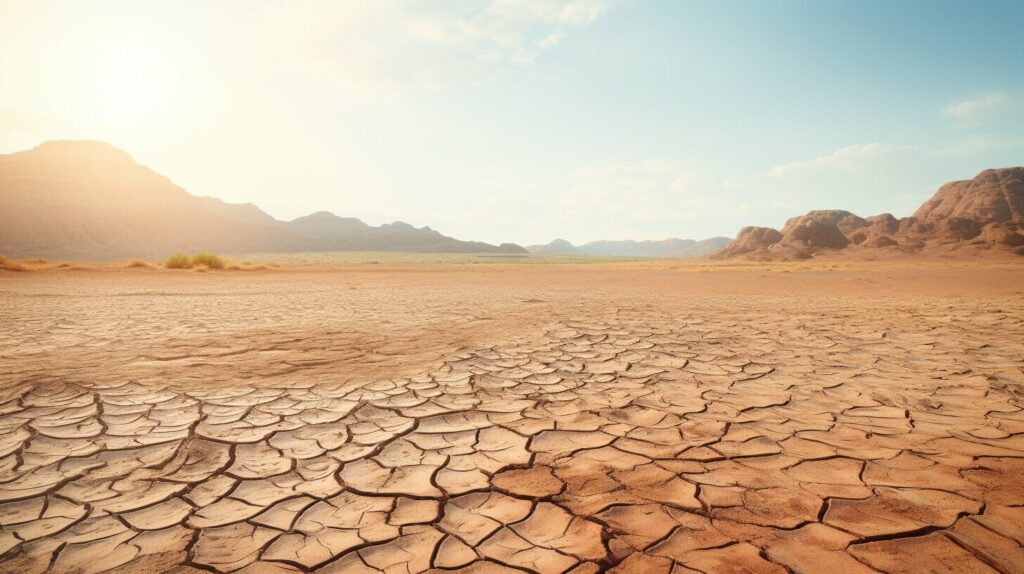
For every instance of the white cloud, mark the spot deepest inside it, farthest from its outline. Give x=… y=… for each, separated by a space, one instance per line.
x=552 y=39
x=385 y=49
x=977 y=109
x=583 y=12
x=849 y=157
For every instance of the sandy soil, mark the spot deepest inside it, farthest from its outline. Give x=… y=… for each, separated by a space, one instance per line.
x=514 y=418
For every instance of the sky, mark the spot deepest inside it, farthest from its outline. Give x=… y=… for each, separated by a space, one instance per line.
x=530 y=120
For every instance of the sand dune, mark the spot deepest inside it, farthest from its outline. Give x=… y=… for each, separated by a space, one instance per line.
x=509 y=418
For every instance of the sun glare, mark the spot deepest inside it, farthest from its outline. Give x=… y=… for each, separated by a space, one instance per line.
x=128 y=80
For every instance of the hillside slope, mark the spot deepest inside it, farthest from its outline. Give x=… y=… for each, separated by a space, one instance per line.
x=90 y=200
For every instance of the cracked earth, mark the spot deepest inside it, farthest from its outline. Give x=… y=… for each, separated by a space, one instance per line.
x=513 y=419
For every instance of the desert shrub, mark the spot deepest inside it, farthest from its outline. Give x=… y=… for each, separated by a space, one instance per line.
x=210 y=260
x=136 y=263
x=178 y=261
x=200 y=268
x=11 y=265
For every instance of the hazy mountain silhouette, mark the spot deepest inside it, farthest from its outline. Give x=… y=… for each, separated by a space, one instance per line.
x=90 y=200
x=678 y=248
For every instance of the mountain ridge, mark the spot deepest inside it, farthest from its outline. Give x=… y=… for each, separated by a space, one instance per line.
x=672 y=247
x=87 y=199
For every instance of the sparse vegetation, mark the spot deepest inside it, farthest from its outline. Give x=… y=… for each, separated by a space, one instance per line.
x=7 y=264
x=178 y=261
x=210 y=260
x=200 y=262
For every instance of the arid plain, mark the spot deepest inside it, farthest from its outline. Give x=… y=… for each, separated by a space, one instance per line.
x=619 y=417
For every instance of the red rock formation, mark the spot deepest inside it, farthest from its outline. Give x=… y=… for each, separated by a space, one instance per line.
x=750 y=240
x=983 y=214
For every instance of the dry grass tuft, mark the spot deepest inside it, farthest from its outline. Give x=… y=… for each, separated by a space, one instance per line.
x=210 y=260
x=200 y=268
x=7 y=264
x=134 y=263
x=245 y=266
x=178 y=261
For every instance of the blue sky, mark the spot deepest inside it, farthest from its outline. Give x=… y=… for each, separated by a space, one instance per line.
x=526 y=120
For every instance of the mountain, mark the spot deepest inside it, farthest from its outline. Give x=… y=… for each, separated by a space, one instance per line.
x=984 y=214
x=90 y=200
x=675 y=248
x=328 y=232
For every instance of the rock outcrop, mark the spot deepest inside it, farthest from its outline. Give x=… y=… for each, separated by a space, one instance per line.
x=984 y=214
x=751 y=240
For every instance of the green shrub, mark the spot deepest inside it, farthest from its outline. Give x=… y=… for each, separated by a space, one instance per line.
x=178 y=261
x=208 y=259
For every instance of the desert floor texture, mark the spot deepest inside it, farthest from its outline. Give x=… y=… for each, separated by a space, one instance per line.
x=514 y=418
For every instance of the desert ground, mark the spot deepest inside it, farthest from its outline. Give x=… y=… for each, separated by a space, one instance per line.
x=649 y=417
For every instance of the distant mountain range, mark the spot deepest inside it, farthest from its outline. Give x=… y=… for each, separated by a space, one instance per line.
x=675 y=248
x=975 y=217
x=90 y=200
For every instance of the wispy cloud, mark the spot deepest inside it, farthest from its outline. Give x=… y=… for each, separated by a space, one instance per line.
x=552 y=39
x=386 y=49
x=977 y=109
x=849 y=157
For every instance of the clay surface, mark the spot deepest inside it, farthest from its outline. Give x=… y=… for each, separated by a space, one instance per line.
x=514 y=418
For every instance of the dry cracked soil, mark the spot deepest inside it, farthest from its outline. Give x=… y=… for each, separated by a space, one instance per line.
x=513 y=418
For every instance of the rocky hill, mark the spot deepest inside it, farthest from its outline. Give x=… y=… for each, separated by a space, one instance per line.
x=90 y=200
x=675 y=248
x=984 y=214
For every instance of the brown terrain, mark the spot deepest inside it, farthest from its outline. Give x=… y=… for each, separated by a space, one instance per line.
x=653 y=418
x=985 y=214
